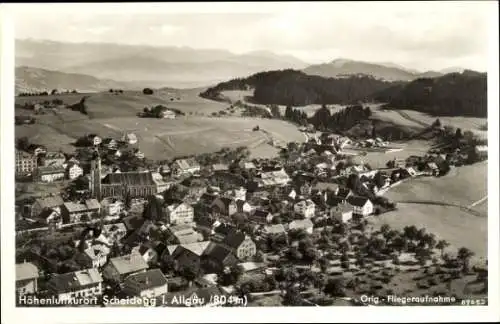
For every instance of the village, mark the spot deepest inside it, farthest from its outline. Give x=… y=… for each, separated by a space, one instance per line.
x=220 y=227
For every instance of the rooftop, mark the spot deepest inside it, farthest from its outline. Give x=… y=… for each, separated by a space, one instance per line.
x=147 y=280
x=26 y=270
x=129 y=263
x=75 y=280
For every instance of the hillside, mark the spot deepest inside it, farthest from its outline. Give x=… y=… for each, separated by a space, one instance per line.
x=454 y=94
x=29 y=79
x=158 y=66
x=291 y=87
x=382 y=71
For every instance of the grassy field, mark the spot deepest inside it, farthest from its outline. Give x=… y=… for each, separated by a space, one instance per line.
x=463 y=185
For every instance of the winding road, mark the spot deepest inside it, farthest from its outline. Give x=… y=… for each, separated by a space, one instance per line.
x=467 y=209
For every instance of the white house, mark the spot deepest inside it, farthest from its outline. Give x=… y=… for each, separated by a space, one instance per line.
x=74 y=171
x=186 y=166
x=342 y=212
x=179 y=214
x=83 y=283
x=361 y=205
x=50 y=174
x=94 y=139
x=112 y=207
x=305 y=208
x=129 y=138
x=168 y=114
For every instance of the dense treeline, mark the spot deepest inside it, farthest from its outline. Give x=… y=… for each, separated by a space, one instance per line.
x=454 y=94
x=290 y=87
x=340 y=121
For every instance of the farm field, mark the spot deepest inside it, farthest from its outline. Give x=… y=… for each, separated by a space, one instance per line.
x=45 y=135
x=465 y=123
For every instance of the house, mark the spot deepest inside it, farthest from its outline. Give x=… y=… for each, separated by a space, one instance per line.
x=148 y=284
x=110 y=143
x=327 y=186
x=185 y=166
x=305 y=208
x=305 y=189
x=147 y=251
x=239 y=194
x=50 y=173
x=41 y=204
x=120 y=267
x=83 y=283
x=37 y=149
x=361 y=206
x=129 y=138
x=80 y=212
x=185 y=234
x=481 y=151
x=240 y=244
x=164 y=169
x=431 y=168
x=303 y=224
x=114 y=233
x=94 y=254
x=344 y=193
x=186 y=255
x=342 y=212
x=261 y=216
x=217 y=258
x=207 y=225
x=168 y=114
x=52 y=217
x=274 y=178
x=277 y=229
x=112 y=206
x=243 y=206
x=223 y=206
x=74 y=171
x=219 y=167
x=55 y=159
x=179 y=214
x=25 y=163
x=245 y=165
x=94 y=139
x=161 y=185
x=26 y=278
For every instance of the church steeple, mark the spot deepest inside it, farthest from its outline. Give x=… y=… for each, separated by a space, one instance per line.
x=95 y=176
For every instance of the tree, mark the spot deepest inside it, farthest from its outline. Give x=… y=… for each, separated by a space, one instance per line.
x=441 y=245
x=190 y=273
x=53 y=92
x=458 y=134
x=292 y=297
x=464 y=255
x=22 y=143
x=147 y=91
x=110 y=90
x=437 y=123
x=335 y=288
x=275 y=111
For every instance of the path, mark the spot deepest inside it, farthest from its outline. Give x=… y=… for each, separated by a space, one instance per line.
x=408 y=117
x=478 y=202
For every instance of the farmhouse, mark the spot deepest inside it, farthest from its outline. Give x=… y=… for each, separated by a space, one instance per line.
x=185 y=166
x=111 y=206
x=224 y=206
x=50 y=173
x=217 y=257
x=26 y=278
x=129 y=138
x=261 y=216
x=94 y=255
x=161 y=185
x=25 y=163
x=273 y=178
x=185 y=234
x=362 y=206
x=245 y=165
x=168 y=114
x=220 y=167
x=52 y=217
x=110 y=143
x=149 y=284
x=342 y=212
x=240 y=244
x=147 y=251
x=83 y=283
x=481 y=151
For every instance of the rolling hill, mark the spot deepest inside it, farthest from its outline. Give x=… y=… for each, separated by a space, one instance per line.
x=29 y=79
x=157 y=66
x=454 y=94
x=383 y=71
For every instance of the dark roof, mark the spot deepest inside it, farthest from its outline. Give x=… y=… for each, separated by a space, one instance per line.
x=234 y=238
x=226 y=202
x=217 y=252
x=357 y=201
x=224 y=229
x=133 y=221
x=47 y=212
x=240 y=203
x=334 y=200
x=343 y=192
x=75 y=280
x=130 y=178
x=205 y=221
x=147 y=280
x=260 y=213
x=207 y=198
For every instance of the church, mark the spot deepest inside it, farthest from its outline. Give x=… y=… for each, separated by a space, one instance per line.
x=135 y=184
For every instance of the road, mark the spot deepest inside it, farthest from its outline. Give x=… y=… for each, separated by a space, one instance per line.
x=408 y=117
x=467 y=209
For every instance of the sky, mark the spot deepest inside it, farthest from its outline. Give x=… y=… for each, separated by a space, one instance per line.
x=418 y=35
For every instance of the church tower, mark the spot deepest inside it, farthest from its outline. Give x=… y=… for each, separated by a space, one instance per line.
x=95 y=177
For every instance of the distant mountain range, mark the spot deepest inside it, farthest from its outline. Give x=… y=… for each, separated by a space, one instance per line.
x=382 y=71
x=45 y=65
x=157 y=66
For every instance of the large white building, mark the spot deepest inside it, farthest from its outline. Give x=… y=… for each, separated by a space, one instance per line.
x=179 y=214
x=83 y=283
x=74 y=171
